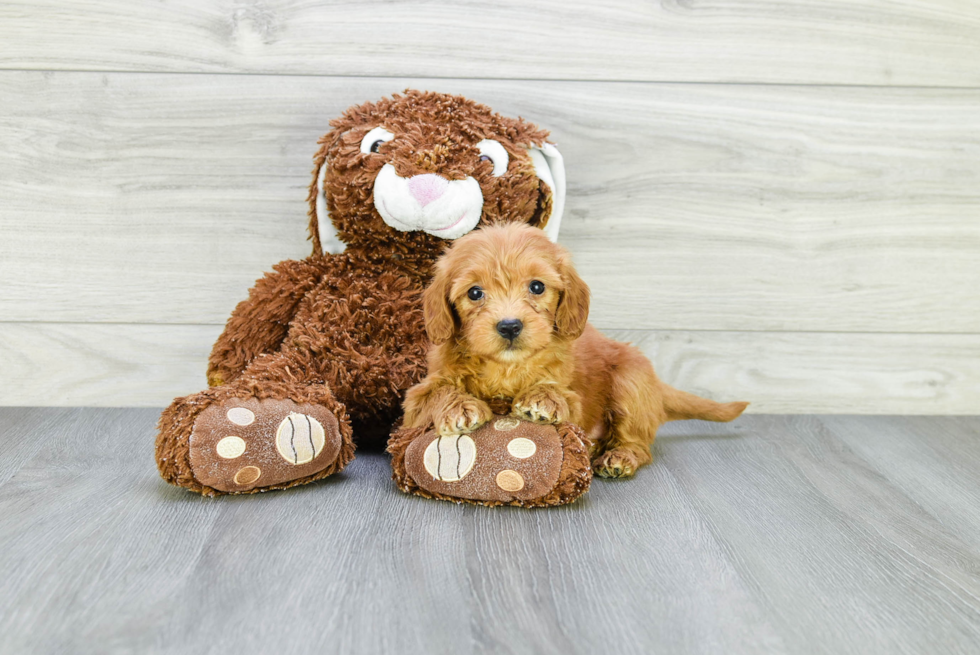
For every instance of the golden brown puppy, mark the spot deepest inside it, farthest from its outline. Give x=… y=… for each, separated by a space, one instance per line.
x=507 y=316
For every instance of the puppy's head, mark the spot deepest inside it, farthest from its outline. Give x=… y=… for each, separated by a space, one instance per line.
x=505 y=292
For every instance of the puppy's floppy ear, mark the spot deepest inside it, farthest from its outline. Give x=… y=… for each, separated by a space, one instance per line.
x=440 y=320
x=573 y=306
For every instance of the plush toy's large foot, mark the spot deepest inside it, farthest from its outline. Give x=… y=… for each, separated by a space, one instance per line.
x=236 y=446
x=506 y=462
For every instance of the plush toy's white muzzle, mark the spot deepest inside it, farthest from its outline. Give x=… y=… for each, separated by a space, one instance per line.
x=444 y=208
x=431 y=203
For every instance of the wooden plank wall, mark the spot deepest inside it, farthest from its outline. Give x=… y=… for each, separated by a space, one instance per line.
x=777 y=201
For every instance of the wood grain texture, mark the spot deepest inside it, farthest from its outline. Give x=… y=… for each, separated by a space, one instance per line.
x=161 y=198
x=917 y=42
x=18 y=423
x=768 y=535
x=931 y=459
x=149 y=365
x=103 y=365
x=802 y=516
x=783 y=372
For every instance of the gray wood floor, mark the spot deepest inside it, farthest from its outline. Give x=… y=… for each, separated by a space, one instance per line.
x=774 y=534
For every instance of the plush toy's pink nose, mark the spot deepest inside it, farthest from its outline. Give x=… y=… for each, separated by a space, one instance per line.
x=427 y=188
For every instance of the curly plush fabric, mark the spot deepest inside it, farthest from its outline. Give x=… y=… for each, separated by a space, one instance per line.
x=344 y=332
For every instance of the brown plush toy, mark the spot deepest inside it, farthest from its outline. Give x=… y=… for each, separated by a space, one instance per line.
x=507 y=461
x=323 y=349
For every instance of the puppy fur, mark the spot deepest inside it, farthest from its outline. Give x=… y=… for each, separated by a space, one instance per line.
x=559 y=368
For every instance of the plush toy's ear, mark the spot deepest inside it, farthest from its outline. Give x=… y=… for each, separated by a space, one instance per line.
x=550 y=168
x=329 y=241
x=573 y=307
x=440 y=322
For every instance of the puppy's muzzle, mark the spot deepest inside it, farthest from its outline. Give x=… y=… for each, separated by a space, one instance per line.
x=509 y=328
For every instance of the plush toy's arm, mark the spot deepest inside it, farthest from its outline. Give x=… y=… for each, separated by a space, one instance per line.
x=259 y=324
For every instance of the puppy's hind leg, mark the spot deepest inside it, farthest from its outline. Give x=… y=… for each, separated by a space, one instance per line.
x=635 y=414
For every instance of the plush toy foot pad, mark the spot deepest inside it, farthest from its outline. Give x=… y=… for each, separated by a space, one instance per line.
x=240 y=445
x=507 y=461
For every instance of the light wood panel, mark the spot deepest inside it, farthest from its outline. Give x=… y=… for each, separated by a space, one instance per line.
x=114 y=365
x=821 y=373
x=916 y=42
x=149 y=365
x=768 y=535
x=161 y=198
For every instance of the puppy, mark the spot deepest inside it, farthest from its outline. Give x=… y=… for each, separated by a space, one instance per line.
x=507 y=317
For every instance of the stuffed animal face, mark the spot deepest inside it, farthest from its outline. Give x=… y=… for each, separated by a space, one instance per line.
x=418 y=170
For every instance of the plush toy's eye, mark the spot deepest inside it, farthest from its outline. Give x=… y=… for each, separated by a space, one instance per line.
x=493 y=152
x=536 y=287
x=474 y=294
x=373 y=140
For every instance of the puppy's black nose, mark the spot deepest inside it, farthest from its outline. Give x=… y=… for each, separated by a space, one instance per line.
x=509 y=328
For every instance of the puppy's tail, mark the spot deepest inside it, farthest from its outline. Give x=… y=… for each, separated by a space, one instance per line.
x=682 y=405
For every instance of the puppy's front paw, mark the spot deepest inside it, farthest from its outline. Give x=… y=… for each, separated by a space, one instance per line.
x=464 y=414
x=541 y=404
x=615 y=463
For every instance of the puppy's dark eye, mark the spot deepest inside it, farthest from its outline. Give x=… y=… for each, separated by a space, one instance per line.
x=536 y=287
x=376 y=145
x=486 y=158
x=474 y=294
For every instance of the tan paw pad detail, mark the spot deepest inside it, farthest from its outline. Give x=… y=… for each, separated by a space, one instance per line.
x=241 y=416
x=449 y=459
x=506 y=424
x=282 y=442
x=514 y=464
x=521 y=448
x=230 y=447
x=299 y=439
x=247 y=475
x=510 y=480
